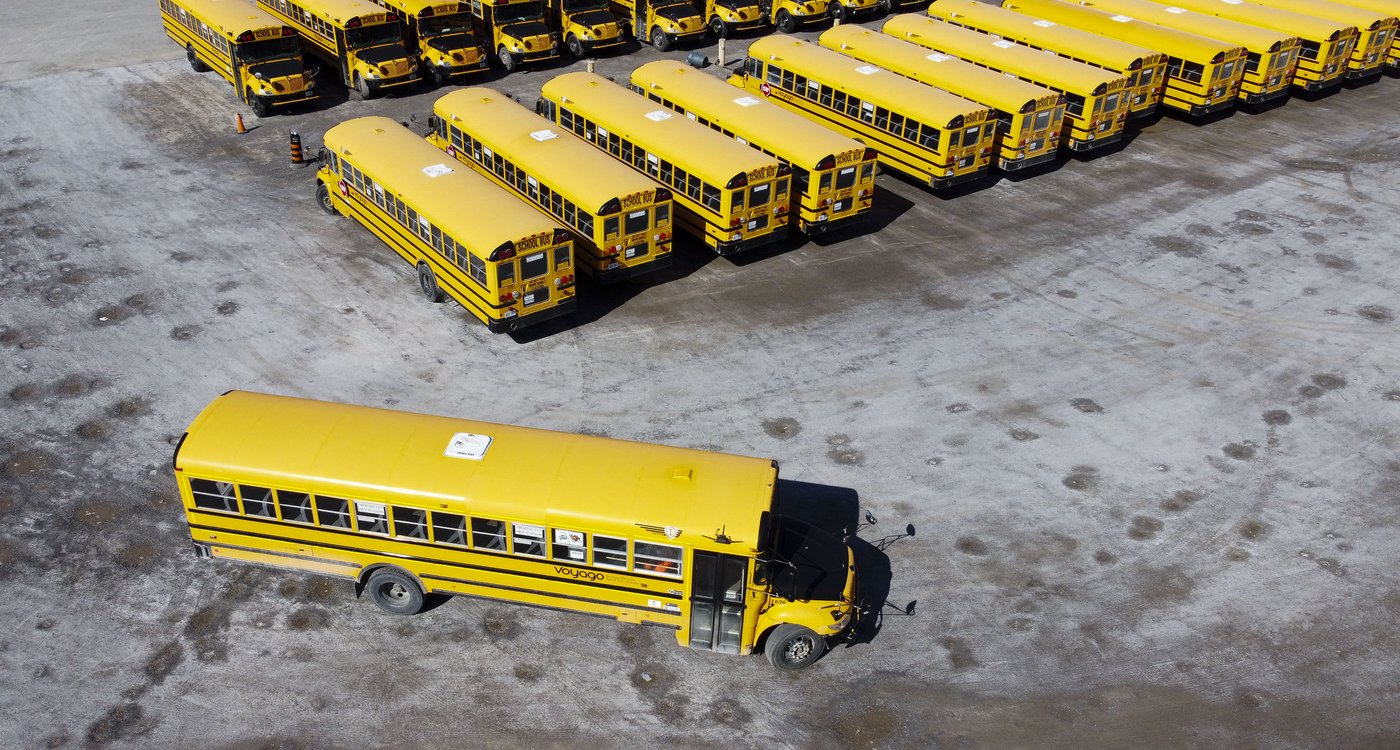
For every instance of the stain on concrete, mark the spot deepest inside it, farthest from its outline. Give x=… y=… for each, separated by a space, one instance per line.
x=1239 y=451
x=1277 y=417
x=971 y=545
x=1180 y=501
x=782 y=428
x=1086 y=405
x=1144 y=528
x=1082 y=478
x=1376 y=313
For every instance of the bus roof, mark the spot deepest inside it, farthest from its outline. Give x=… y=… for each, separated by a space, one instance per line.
x=791 y=136
x=1004 y=92
x=414 y=8
x=1048 y=70
x=894 y=92
x=1254 y=38
x=341 y=11
x=1185 y=45
x=1385 y=7
x=690 y=145
x=562 y=160
x=1307 y=27
x=1358 y=16
x=232 y=17
x=1038 y=32
x=365 y=453
x=462 y=203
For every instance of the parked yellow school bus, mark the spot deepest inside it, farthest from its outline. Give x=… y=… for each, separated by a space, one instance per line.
x=1096 y=100
x=1203 y=74
x=1271 y=57
x=833 y=177
x=1377 y=30
x=621 y=220
x=441 y=35
x=1029 y=117
x=925 y=133
x=360 y=40
x=407 y=505
x=1145 y=69
x=731 y=197
x=1325 y=45
x=253 y=51
x=502 y=260
x=1389 y=9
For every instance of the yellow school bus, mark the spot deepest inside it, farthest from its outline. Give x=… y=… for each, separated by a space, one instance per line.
x=1145 y=69
x=1377 y=30
x=360 y=40
x=503 y=261
x=728 y=16
x=1029 y=117
x=441 y=35
x=516 y=31
x=1388 y=9
x=621 y=220
x=663 y=23
x=1324 y=48
x=729 y=196
x=407 y=505
x=925 y=133
x=1203 y=74
x=833 y=177
x=253 y=51
x=586 y=26
x=1096 y=100
x=1271 y=56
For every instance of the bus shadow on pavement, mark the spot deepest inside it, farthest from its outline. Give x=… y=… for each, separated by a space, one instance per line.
x=836 y=510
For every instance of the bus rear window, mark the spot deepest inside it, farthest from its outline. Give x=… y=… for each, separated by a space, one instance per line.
x=758 y=195
x=663 y=215
x=846 y=178
x=534 y=266
x=636 y=222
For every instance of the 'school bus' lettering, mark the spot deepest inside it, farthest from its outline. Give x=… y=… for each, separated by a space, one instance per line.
x=396 y=503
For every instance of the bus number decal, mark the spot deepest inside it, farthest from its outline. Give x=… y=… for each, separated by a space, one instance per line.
x=592 y=576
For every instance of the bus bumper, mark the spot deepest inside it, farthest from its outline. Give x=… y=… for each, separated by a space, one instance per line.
x=594 y=45
x=938 y=183
x=461 y=70
x=621 y=273
x=730 y=247
x=1012 y=165
x=301 y=97
x=1090 y=145
x=1264 y=96
x=388 y=84
x=1361 y=73
x=516 y=322
x=820 y=225
x=1198 y=110
x=1325 y=83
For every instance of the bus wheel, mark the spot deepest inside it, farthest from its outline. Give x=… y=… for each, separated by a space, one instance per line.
x=438 y=74
x=507 y=59
x=839 y=12
x=395 y=592
x=885 y=6
x=659 y=40
x=323 y=199
x=260 y=106
x=196 y=64
x=791 y=647
x=786 y=23
x=428 y=283
x=362 y=87
x=718 y=28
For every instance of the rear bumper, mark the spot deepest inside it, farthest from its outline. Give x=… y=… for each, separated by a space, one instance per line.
x=1087 y=145
x=938 y=183
x=730 y=247
x=505 y=325
x=1011 y=165
x=1198 y=110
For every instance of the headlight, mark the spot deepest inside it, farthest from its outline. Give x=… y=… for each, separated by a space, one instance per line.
x=371 y=74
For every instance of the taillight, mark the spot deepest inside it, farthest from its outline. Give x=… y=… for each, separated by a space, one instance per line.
x=988 y=149
x=506 y=297
x=614 y=249
x=864 y=193
x=564 y=280
x=780 y=210
x=663 y=237
x=734 y=222
x=1023 y=143
x=823 y=203
x=1094 y=123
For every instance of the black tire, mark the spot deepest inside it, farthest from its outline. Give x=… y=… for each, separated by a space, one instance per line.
x=785 y=22
x=659 y=40
x=196 y=64
x=395 y=592
x=362 y=87
x=839 y=13
x=719 y=28
x=323 y=199
x=428 y=283
x=507 y=59
x=885 y=6
x=792 y=647
x=438 y=75
x=575 y=47
x=260 y=106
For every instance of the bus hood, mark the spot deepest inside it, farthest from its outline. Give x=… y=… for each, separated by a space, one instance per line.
x=383 y=53
x=528 y=32
x=449 y=43
x=678 y=12
x=290 y=73
x=595 y=19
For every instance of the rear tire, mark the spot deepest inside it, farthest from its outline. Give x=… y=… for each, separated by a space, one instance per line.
x=659 y=40
x=507 y=59
x=786 y=23
x=428 y=283
x=395 y=592
x=196 y=64
x=792 y=647
x=323 y=199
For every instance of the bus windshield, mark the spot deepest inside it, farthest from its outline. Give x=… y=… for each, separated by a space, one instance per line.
x=803 y=562
x=370 y=36
x=280 y=48
x=445 y=24
x=517 y=12
x=576 y=6
x=276 y=69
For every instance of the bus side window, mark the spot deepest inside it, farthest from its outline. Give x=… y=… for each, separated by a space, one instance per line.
x=333 y=511
x=609 y=551
x=214 y=495
x=528 y=539
x=488 y=534
x=658 y=558
x=257 y=501
x=449 y=528
x=410 y=522
x=296 y=506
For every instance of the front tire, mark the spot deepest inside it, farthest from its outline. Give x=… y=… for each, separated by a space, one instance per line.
x=786 y=23
x=428 y=283
x=885 y=6
x=362 y=87
x=260 y=106
x=719 y=28
x=507 y=59
x=438 y=75
x=659 y=40
x=196 y=64
x=395 y=592
x=575 y=47
x=839 y=13
x=323 y=199
x=792 y=647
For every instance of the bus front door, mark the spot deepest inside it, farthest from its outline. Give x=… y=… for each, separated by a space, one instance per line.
x=717 y=601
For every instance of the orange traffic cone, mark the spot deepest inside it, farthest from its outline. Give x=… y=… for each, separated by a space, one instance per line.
x=238 y=124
